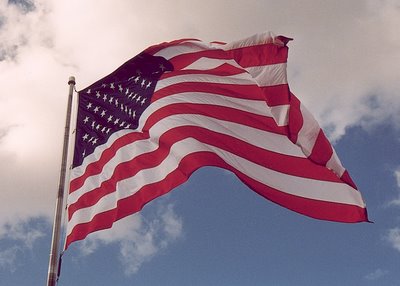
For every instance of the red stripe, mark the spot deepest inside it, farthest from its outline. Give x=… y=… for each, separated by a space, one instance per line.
x=347 y=179
x=322 y=150
x=295 y=119
x=230 y=90
x=156 y=48
x=259 y=55
x=222 y=70
x=313 y=208
x=216 y=112
x=276 y=95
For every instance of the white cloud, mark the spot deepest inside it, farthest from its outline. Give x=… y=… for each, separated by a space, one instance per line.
x=344 y=67
x=139 y=240
x=377 y=274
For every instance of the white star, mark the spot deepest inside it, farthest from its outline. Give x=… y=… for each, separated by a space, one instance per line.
x=120 y=88
x=103 y=85
x=85 y=137
x=122 y=124
x=89 y=105
x=104 y=97
x=103 y=113
x=89 y=91
x=127 y=91
x=116 y=102
x=96 y=109
x=134 y=114
x=116 y=121
x=93 y=124
x=143 y=101
x=111 y=99
x=138 y=98
x=127 y=126
x=148 y=85
x=143 y=83
x=134 y=96
x=112 y=86
x=108 y=130
x=109 y=118
x=137 y=79
x=86 y=119
x=98 y=126
x=98 y=94
x=94 y=141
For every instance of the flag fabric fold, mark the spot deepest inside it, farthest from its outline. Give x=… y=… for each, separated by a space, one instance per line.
x=181 y=105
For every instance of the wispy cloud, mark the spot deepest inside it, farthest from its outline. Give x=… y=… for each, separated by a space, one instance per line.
x=377 y=274
x=22 y=236
x=139 y=239
x=396 y=201
x=8 y=258
x=393 y=237
x=24 y=232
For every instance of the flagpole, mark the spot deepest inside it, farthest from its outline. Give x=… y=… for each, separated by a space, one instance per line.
x=52 y=275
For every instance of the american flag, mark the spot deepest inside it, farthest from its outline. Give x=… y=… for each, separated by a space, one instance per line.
x=178 y=106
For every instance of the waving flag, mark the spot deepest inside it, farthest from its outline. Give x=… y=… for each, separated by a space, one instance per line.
x=178 y=106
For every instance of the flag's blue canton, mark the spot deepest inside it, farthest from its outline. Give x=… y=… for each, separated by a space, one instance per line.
x=116 y=102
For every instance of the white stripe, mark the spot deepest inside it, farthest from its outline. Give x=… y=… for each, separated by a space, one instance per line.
x=240 y=79
x=307 y=137
x=269 y=75
x=298 y=186
x=265 y=75
x=262 y=139
x=280 y=114
x=309 y=131
x=209 y=63
x=258 y=39
x=335 y=165
x=192 y=46
x=258 y=107
x=186 y=47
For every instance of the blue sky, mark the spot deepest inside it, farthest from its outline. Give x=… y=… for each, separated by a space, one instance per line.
x=343 y=65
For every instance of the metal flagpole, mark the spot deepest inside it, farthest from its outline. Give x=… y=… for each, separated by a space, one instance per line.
x=52 y=275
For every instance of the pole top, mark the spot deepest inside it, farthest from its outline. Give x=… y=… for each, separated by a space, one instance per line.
x=71 y=80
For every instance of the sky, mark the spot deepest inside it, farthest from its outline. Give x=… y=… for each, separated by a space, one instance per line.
x=212 y=230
